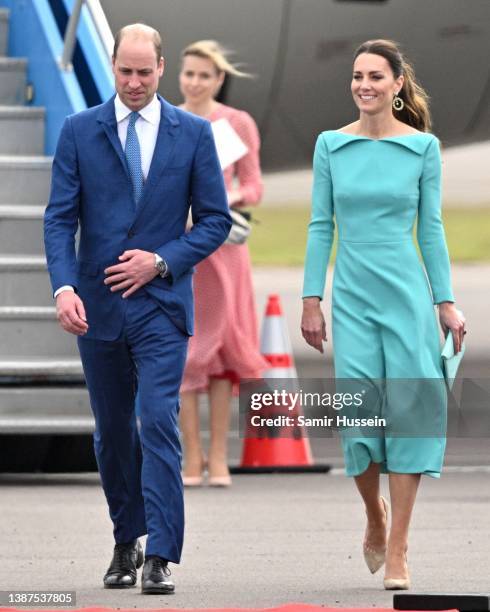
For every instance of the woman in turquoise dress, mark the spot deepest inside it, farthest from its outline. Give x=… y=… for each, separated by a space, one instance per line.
x=374 y=179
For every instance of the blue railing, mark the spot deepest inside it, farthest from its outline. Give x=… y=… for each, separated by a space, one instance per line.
x=90 y=60
x=36 y=34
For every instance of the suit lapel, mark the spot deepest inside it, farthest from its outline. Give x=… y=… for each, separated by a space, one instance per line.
x=168 y=131
x=107 y=118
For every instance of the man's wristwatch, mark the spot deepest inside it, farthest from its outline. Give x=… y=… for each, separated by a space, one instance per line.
x=161 y=266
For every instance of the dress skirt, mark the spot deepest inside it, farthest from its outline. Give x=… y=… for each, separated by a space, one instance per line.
x=225 y=343
x=386 y=341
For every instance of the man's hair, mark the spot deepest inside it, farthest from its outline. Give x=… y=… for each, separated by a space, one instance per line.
x=139 y=30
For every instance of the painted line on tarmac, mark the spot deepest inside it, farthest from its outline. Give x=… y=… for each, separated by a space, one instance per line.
x=466 y=469
x=450 y=469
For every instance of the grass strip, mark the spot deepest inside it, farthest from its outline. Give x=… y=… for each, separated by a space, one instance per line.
x=279 y=237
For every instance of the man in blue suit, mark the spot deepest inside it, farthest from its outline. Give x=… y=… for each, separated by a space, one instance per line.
x=126 y=174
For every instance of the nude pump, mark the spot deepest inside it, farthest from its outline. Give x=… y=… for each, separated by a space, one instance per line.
x=397 y=584
x=375 y=558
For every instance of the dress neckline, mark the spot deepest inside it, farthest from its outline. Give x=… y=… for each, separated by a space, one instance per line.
x=415 y=142
x=216 y=112
x=359 y=136
x=209 y=117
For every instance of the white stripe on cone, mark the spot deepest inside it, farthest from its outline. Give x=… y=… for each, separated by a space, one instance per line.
x=275 y=337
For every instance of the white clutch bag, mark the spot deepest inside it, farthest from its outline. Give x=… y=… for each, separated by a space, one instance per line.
x=241 y=228
x=450 y=360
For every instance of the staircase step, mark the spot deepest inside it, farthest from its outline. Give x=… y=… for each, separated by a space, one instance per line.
x=18 y=263
x=4 y=28
x=41 y=370
x=44 y=409
x=24 y=179
x=26 y=425
x=24 y=280
x=33 y=330
x=22 y=129
x=14 y=211
x=12 y=80
x=21 y=229
x=38 y=410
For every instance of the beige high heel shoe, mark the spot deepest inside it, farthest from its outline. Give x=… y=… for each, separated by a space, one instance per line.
x=375 y=558
x=397 y=584
x=192 y=481
x=195 y=481
x=221 y=481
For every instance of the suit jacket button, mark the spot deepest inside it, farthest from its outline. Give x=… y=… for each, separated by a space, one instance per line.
x=131 y=233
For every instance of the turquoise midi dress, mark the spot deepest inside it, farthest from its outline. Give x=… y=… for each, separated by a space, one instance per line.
x=383 y=320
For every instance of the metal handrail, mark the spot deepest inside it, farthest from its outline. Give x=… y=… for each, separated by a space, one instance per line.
x=71 y=36
x=101 y=25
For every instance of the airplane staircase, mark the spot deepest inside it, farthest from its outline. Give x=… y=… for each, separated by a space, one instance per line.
x=45 y=418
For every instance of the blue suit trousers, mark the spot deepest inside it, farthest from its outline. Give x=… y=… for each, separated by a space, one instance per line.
x=140 y=467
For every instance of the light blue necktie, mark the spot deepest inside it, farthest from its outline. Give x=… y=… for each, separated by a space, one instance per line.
x=133 y=157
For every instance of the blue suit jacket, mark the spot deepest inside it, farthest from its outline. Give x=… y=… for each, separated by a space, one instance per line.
x=91 y=189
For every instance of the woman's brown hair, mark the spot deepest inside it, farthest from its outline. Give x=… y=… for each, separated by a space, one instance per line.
x=416 y=110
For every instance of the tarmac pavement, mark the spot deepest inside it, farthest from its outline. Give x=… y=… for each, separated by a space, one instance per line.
x=268 y=540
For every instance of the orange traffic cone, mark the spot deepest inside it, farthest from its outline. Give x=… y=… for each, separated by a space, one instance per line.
x=278 y=450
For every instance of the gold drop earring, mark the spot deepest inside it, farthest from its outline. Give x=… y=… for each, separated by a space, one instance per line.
x=398 y=103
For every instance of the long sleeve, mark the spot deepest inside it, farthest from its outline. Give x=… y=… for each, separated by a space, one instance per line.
x=210 y=213
x=430 y=231
x=321 y=227
x=247 y=168
x=61 y=215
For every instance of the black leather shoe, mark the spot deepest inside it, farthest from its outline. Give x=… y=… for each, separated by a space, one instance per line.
x=126 y=560
x=155 y=579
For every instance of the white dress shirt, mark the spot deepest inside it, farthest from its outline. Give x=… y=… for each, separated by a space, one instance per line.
x=146 y=127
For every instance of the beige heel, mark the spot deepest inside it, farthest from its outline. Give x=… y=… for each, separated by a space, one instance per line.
x=197 y=480
x=375 y=559
x=218 y=474
x=219 y=481
x=397 y=584
x=192 y=481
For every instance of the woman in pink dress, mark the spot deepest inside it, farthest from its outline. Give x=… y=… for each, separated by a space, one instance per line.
x=224 y=348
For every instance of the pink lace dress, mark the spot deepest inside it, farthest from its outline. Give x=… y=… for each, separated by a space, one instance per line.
x=225 y=343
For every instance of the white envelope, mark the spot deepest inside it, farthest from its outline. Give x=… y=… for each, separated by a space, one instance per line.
x=229 y=145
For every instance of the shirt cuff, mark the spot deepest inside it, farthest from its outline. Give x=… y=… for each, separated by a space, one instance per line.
x=63 y=288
